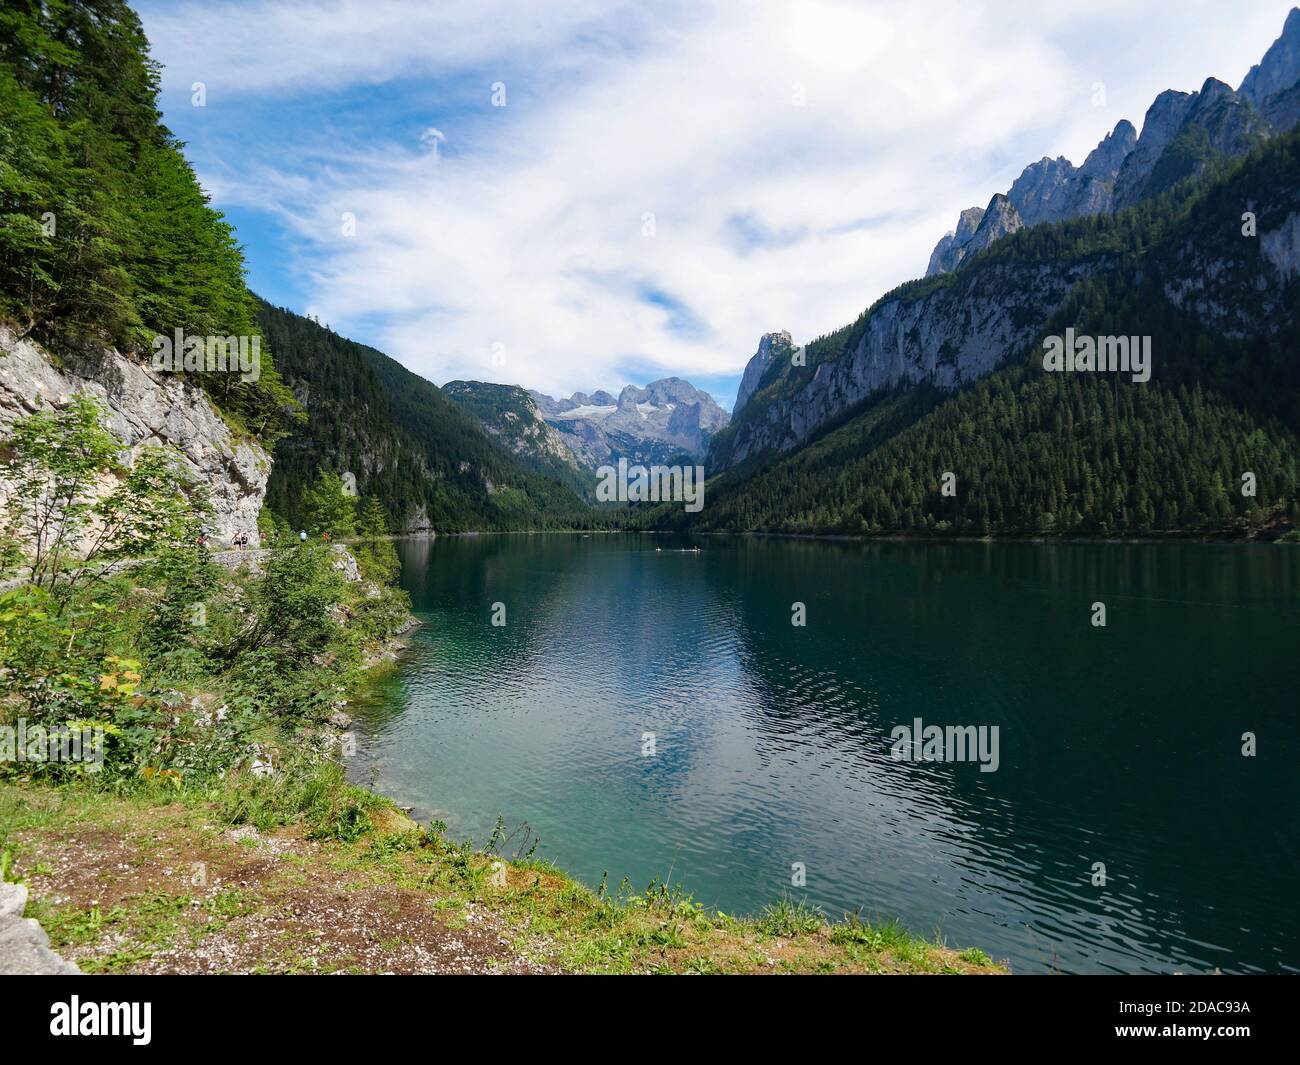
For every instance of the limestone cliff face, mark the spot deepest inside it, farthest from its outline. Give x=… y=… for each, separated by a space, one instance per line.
x=144 y=409
x=958 y=331
x=948 y=337
x=770 y=346
x=1279 y=70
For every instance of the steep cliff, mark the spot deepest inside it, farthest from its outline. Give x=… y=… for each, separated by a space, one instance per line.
x=144 y=409
x=949 y=331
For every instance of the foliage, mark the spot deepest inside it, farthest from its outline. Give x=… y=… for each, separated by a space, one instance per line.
x=59 y=515
x=268 y=652
x=105 y=233
x=376 y=555
x=327 y=508
x=54 y=460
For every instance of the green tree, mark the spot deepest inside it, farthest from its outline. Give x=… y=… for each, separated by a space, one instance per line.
x=328 y=508
x=55 y=459
x=376 y=556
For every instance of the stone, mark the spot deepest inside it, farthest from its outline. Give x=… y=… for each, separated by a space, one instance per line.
x=25 y=951
x=13 y=900
x=664 y=420
x=144 y=409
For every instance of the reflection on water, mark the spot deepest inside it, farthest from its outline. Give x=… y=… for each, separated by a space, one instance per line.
x=1118 y=745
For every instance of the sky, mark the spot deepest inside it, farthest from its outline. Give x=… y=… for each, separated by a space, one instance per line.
x=583 y=194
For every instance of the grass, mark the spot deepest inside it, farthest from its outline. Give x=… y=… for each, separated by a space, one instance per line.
x=332 y=878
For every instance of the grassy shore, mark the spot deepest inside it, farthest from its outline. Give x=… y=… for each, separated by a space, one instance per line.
x=308 y=874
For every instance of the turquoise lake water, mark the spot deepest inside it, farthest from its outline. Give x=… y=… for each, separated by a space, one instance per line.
x=772 y=745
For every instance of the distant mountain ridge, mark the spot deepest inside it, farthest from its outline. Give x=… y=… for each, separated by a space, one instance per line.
x=664 y=421
x=1181 y=134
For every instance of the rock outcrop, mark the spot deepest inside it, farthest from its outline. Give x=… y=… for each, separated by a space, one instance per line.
x=1279 y=70
x=950 y=251
x=24 y=946
x=770 y=347
x=144 y=409
x=511 y=414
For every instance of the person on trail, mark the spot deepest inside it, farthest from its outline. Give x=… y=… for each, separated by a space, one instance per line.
x=303 y=536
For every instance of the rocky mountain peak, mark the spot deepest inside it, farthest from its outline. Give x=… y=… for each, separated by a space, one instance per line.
x=1041 y=192
x=1104 y=161
x=951 y=249
x=769 y=346
x=1125 y=167
x=666 y=419
x=1279 y=70
x=1000 y=219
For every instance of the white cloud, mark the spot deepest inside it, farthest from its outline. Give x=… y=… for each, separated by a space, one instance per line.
x=798 y=158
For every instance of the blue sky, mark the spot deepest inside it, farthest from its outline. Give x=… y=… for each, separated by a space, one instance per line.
x=665 y=182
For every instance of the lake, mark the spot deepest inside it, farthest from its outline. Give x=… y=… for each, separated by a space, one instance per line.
x=652 y=712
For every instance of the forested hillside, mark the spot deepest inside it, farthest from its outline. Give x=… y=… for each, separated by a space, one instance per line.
x=1078 y=453
x=510 y=414
x=430 y=463
x=105 y=235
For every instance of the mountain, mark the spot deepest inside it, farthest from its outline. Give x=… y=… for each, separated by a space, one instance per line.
x=509 y=413
x=1277 y=72
x=956 y=326
x=662 y=423
x=771 y=346
x=946 y=374
x=951 y=249
x=1183 y=134
x=429 y=462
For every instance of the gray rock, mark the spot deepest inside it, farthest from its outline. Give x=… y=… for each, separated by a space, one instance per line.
x=1279 y=70
x=25 y=950
x=1000 y=219
x=1164 y=118
x=1126 y=168
x=1104 y=161
x=344 y=562
x=947 y=337
x=1281 y=246
x=770 y=345
x=144 y=409
x=663 y=421
x=13 y=900
x=950 y=251
x=1282 y=110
